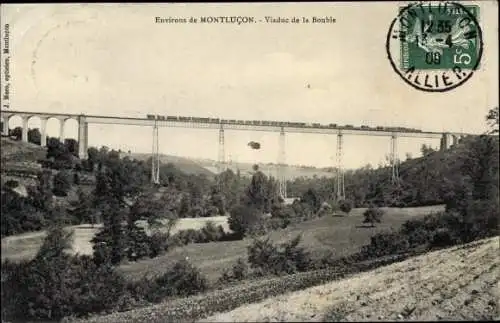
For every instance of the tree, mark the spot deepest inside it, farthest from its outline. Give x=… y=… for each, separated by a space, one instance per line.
x=62 y=183
x=427 y=150
x=492 y=118
x=373 y=215
x=312 y=198
x=58 y=151
x=17 y=132
x=18 y=214
x=93 y=158
x=41 y=197
x=71 y=146
x=110 y=242
x=83 y=210
x=152 y=210
x=244 y=219
x=256 y=194
x=118 y=183
x=34 y=136
x=56 y=242
x=219 y=202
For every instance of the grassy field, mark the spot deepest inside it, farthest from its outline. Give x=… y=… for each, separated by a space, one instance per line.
x=340 y=235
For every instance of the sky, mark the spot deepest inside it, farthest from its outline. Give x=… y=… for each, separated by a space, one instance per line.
x=113 y=59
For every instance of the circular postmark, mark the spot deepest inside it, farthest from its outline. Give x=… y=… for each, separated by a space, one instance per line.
x=435 y=46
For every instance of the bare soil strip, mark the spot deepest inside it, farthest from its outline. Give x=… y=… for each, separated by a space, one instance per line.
x=460 y=283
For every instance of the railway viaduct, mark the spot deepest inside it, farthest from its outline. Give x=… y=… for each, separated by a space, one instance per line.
x=447 y=138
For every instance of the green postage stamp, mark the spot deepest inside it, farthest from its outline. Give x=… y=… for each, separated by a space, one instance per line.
x=435 y=46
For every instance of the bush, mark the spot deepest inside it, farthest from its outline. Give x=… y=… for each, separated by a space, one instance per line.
x=285 y=258
x=345 y=206
x=211 y=232
x=189 y=236
x=383 y=244
x=159 y=243
x=239 y=271
x=276 y=223
x=182 y=279
x=373 y=215
x=442 y=238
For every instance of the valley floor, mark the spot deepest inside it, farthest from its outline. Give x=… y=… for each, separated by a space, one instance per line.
x=460 y=283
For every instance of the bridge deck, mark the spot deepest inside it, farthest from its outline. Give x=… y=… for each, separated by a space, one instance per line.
x=210 y=123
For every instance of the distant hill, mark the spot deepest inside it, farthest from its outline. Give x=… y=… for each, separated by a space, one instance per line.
x=18 y=151
x=291 y=171
x=186 y=165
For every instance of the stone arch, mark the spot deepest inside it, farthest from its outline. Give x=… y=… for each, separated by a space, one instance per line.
x=35 y=122
x=71 y=128
x=52 y=126
x=13 y=121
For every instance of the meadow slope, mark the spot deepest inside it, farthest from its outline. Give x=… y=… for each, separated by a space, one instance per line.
x=459 y=283
x=340 y=235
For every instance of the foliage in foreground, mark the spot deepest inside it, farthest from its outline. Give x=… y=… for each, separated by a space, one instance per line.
x=226 y=299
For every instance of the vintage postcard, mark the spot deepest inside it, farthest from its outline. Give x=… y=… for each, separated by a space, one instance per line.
x=319 y=161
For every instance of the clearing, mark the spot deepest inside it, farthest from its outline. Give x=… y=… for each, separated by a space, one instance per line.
x=459 y=283
x=339 y=234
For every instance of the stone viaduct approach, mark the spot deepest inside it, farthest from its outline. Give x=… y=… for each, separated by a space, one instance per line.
x=156 y=121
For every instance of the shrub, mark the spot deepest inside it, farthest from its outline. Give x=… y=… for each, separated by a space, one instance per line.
x=442 y=238
x=159 y=243
x=182 y=279
x=285 y=258
x=325 y=209
x=383 y=244
x=239 y=271
x=211 y=232
x=276 y=223
x=373 y=215
x=189 y=236
x=345 y=206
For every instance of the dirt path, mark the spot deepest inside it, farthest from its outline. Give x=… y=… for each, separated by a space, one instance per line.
x=461 y=283
x=26 y=245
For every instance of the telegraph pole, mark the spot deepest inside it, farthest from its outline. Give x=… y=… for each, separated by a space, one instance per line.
x=394 y=160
